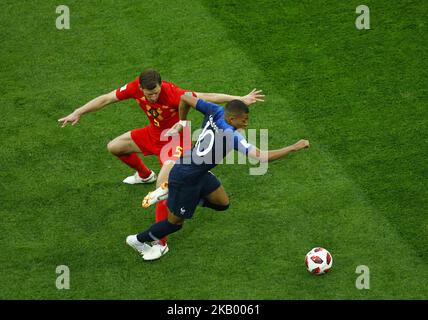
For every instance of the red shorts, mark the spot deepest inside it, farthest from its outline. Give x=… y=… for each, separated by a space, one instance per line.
x=151 y=142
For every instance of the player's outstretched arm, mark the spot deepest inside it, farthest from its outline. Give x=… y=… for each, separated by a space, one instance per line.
x=93 y=105
x=252 y=97
x=271 y=155
x=186 y=101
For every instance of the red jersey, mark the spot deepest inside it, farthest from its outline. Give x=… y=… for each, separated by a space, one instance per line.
x=162 y=114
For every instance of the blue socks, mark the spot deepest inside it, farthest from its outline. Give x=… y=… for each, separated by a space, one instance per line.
x=158 y=231
x=163 y=228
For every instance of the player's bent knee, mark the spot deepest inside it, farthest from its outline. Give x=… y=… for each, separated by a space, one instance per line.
x=172 y=219
x=224 y=203
x=216 y=206
x=118 y=148
x=112 y=147
x=174 y=227
x=223 y=207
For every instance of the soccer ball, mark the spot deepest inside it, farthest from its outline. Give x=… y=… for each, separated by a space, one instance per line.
x=318 y=261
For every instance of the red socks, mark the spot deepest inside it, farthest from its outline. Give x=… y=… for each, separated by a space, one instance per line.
x=161 y=214
x=134 y=161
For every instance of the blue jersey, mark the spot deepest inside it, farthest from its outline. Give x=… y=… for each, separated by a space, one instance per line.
x=216 y=140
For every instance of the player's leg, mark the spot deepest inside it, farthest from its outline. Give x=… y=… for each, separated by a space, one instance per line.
x=125 y=148
x=217 y=200
x=213 y=194
x=171 y=150
x=161 y=193
x=161 y=212
x=161 y=229
x=154 y=233
x=182 y=202
x=170 y=225
x=164 y=172
x=122 y=145
x=168 y=153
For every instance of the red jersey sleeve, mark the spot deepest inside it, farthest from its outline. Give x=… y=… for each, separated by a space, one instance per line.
x=129 y=90
x=177 y=92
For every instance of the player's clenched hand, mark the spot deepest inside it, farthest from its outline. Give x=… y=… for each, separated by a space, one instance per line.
x=301 y=144
x=72 y=118
x=175 y=130
x=253 y=97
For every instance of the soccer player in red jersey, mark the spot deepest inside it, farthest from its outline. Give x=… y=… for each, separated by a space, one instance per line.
x=159 y=100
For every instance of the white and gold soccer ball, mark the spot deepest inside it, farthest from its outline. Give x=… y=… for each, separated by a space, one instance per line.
x=318 y=261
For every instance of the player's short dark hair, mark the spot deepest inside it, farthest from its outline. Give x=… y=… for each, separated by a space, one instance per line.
x=149 y=79
x=236 y=107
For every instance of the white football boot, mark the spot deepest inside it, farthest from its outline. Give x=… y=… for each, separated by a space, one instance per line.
x=159 y=194
x=135 y=179
x=141 y=248
x=156 y=251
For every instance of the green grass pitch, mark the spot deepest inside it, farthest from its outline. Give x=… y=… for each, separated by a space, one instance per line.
x=359 y=96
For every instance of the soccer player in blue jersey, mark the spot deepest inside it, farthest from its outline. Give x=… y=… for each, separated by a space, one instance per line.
x=191 y=182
